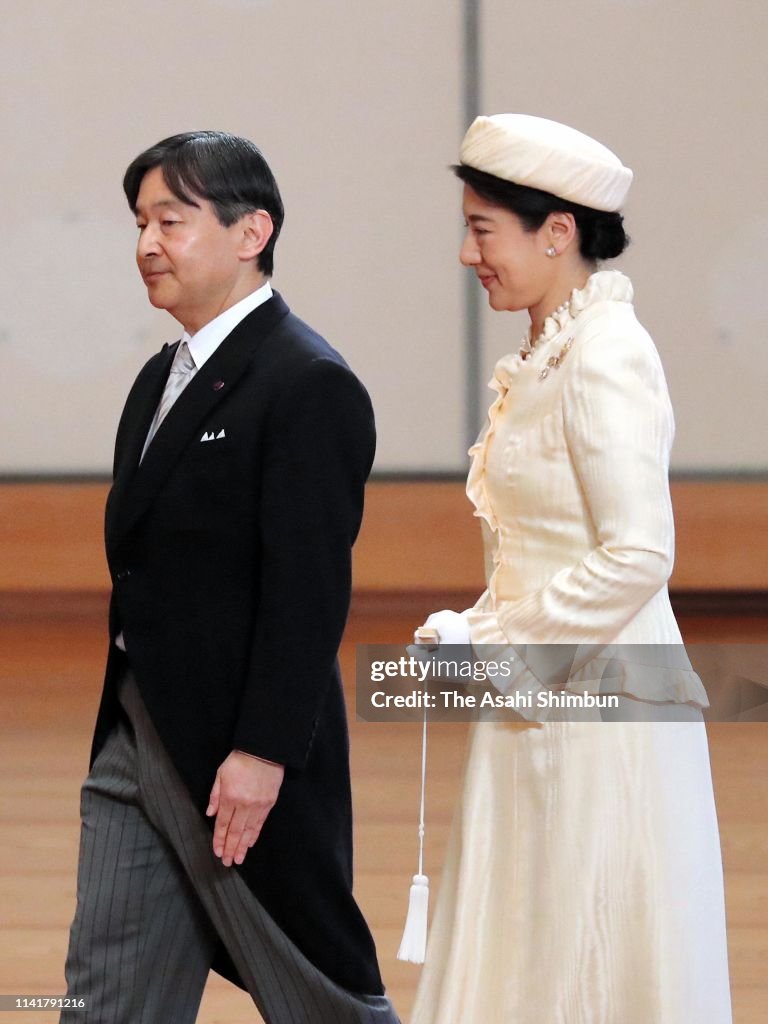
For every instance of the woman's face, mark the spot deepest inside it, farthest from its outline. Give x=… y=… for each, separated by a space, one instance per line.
x=511 y=263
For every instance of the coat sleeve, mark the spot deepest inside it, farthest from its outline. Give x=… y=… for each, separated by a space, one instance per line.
x=318 y=452
x=619 y=430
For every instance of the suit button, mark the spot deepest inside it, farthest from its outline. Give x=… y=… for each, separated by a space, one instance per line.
x=123 y=575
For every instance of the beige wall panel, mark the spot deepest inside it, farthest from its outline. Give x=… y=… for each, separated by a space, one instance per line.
x=357 y=108
x=678 y=90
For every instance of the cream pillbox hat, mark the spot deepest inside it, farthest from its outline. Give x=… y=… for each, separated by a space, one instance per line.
x=549 y=156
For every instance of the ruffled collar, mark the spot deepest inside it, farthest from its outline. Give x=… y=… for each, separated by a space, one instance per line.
x=602 y=286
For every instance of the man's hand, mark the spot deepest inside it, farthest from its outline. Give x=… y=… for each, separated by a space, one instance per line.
x=243 y=794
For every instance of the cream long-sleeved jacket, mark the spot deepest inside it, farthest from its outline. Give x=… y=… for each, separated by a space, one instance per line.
x=570 y=479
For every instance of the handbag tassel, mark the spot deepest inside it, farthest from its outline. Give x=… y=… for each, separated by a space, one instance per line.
x=413 y=945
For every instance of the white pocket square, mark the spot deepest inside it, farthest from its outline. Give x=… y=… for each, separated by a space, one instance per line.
x=211 y=435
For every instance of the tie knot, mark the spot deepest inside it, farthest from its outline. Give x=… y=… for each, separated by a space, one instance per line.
x=183 y=363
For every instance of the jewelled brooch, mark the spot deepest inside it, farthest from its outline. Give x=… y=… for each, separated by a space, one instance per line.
x=553 y=363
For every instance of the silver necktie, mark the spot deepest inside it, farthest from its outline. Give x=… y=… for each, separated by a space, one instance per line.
x=183 y=370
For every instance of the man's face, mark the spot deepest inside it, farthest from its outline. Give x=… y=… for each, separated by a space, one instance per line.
x=190 y=263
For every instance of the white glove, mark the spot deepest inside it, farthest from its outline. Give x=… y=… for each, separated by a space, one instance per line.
x=452 y=627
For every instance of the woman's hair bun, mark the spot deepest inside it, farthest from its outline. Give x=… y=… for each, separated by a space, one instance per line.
x=601 y=235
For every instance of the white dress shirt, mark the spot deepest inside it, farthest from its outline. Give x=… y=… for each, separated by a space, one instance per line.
x=204 y=343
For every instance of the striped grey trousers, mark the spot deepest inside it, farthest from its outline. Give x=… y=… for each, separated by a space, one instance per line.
x=153 y=901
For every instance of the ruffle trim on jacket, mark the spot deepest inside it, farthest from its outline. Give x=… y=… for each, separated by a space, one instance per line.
x=602 y=286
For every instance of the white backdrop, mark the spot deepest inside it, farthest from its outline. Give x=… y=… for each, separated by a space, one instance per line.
x=678 y=89
x=357 y=106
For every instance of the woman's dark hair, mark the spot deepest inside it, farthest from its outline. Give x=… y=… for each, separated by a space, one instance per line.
x=601 y=234
x=228 y=171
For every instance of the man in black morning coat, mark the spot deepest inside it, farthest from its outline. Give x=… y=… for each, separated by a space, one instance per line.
x=240 y=463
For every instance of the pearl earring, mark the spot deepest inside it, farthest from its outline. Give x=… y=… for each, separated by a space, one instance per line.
x=551 y=251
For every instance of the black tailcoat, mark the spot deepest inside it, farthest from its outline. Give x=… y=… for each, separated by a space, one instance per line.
x=230 y=554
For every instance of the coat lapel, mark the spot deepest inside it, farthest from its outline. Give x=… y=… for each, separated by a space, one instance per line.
x=137 y=417
x=210 y=386
x=146 y=404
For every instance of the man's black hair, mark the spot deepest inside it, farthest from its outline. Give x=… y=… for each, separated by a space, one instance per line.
x=227 y=170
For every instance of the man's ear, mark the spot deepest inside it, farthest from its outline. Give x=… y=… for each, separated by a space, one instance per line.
x=257 y=229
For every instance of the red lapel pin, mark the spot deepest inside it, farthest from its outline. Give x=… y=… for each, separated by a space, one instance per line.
x=218 y=385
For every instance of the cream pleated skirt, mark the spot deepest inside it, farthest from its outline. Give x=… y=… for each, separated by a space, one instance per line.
x=583 y=881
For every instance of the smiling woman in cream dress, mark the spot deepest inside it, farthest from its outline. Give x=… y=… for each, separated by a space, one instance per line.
x=583 y=881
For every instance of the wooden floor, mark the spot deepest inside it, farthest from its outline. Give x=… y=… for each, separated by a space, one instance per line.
x=50 y=671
